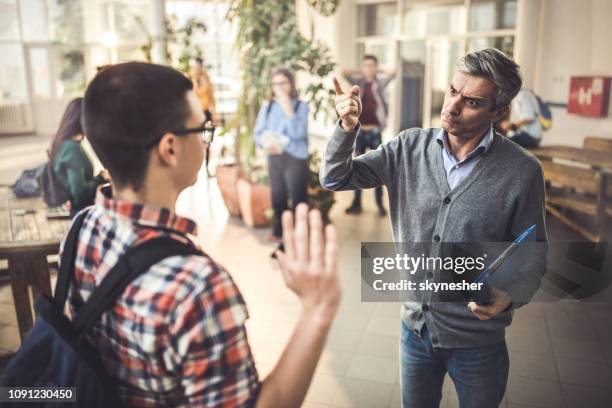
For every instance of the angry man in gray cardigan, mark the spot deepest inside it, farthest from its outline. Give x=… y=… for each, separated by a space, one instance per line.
x=459 y=183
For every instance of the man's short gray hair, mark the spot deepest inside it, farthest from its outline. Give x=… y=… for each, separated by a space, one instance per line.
x=498 y=68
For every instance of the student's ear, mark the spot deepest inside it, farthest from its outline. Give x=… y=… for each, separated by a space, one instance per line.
x=166 y=149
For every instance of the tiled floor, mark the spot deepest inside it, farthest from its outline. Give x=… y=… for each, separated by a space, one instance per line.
x=561 y=353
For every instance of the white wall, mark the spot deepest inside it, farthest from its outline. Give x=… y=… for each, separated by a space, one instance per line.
x=528 y=36
x=577 y=40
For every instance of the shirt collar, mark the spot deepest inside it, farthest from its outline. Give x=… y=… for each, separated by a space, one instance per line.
x=485 y=143
x=144 y=215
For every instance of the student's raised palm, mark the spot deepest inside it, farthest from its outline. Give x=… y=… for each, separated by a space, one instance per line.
x=309 y=260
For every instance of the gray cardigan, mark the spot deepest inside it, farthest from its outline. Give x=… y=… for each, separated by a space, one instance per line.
x=502 y=196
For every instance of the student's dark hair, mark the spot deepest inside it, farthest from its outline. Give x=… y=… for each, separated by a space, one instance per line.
x=371 y=57
x=287 y=74
x=126 y=108
x=70 y=126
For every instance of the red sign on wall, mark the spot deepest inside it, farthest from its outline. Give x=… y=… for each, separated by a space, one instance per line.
x=589 y=96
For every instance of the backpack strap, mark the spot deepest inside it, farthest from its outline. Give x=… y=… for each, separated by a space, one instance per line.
x=130 y=265
x=296 y=105
x=67 y=261
x=268 y=109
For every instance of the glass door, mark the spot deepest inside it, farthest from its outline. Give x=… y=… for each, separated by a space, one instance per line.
x=411 y=85
x=442 y=56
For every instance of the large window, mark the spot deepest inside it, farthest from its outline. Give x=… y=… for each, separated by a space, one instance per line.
x=489 y=15
x=13 y=86
x=50 y=48
x=423 y=20
x=377 y=19
x=504 y=43
x=9 y=23
x=431 y=35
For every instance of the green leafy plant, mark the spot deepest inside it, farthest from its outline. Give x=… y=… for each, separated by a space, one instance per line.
x=148 y=45
x=256 y=170
x=177 y=38
x=318 y=197
x=183 y=37
x=324 y=7
x=269 y=38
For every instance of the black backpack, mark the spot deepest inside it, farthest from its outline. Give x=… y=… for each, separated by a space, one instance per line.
x=56 y=352
x=53 y=191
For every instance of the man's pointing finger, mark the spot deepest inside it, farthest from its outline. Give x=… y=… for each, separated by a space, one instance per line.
x=337 y=87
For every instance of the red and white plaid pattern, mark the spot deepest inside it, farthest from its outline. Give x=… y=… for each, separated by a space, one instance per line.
x=176 y=336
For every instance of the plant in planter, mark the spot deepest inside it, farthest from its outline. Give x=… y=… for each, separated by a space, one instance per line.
x=269 y=38
x=227 y=180
x=254 y=197
x=318 y=197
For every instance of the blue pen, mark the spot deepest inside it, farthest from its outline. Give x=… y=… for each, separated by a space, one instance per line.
x=484 y=276
x=500 y=259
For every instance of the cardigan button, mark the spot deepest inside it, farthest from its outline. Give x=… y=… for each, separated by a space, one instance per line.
x=437 y=238
x=447 y=200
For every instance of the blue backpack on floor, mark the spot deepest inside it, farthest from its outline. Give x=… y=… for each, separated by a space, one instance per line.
x=56 y=352
x=27 y=185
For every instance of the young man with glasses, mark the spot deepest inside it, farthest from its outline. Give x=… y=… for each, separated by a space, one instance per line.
x=176 y=336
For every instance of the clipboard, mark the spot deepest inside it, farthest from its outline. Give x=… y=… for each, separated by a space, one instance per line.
x=501 y=271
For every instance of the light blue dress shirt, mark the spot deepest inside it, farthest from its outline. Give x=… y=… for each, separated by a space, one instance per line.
x=457 y=171
x=295 y=127
x=526 y=106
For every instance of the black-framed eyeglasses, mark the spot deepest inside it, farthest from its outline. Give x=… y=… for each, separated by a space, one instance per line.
x=206 y=130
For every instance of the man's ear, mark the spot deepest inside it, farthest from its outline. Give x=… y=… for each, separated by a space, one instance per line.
x=166 y=150
x=500 y=113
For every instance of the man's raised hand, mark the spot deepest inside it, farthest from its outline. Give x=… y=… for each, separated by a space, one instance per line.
x=348 y=106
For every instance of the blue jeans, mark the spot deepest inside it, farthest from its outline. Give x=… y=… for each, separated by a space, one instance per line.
x=480 y=374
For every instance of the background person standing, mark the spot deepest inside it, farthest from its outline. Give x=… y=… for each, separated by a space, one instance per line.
x=203 y=88
x=373 y=117
x=281 y=131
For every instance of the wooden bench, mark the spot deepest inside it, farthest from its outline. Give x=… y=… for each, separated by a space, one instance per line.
x=579 y=189
x=598 y=143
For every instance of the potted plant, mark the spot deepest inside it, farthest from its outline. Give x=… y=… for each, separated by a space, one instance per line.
x=227 y=176
x=254 y=196
x=318 y=197
x=269 y=38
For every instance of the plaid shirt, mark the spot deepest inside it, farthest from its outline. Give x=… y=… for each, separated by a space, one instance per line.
x=176 y=336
